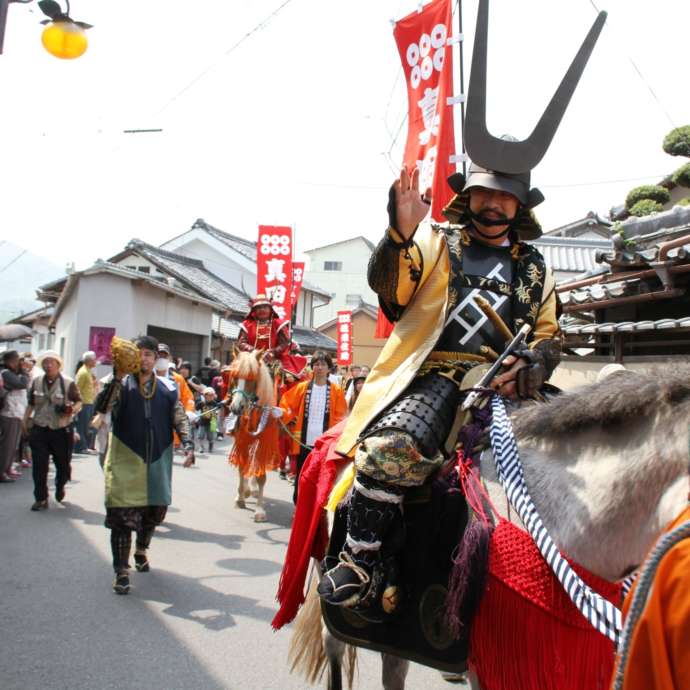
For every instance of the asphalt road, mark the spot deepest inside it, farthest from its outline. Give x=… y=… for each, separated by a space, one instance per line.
x=199 y=620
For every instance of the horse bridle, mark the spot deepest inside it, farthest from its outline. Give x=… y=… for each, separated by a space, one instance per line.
x=252 y=399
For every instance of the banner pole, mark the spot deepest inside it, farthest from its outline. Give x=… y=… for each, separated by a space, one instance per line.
x=462 y=89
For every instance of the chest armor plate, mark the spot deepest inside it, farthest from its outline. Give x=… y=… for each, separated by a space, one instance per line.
x=477 y=269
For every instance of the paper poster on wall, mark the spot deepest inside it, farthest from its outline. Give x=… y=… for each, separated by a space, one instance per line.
x=100 y=338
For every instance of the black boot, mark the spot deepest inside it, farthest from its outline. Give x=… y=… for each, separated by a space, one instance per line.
x=121 y=545
x=141 y=559
x=373 y=507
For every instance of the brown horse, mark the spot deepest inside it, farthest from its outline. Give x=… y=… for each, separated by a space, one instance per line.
x=253 y=425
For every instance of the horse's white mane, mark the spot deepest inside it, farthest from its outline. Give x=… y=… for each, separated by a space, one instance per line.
x=247 y=366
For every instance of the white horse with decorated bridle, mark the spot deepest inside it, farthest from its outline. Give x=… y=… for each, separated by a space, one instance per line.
x=606 y=468
x=252 y=422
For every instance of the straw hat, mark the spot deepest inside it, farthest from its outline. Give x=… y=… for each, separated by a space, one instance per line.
x=50 y=354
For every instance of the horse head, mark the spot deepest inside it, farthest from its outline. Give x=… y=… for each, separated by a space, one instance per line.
x=250 y=385
x=607 y=465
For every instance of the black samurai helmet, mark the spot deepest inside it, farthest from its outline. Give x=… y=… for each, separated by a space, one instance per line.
x=504 y=163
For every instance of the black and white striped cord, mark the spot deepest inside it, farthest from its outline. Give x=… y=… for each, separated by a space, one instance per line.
x=602 y=614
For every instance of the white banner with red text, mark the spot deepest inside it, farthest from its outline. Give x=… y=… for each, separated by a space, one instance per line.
x=344 y=338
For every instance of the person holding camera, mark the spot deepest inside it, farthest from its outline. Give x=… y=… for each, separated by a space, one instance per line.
x=11 y=413
x=54 y=399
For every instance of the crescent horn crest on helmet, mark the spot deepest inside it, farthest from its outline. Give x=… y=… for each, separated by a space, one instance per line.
x=512 y=157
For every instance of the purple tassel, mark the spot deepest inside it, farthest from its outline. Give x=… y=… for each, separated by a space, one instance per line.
x=468 y=576
x=471 y=558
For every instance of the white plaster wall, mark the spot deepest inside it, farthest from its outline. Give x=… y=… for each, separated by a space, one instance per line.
x=572 y=373
x=351 y=280
x=116 y=302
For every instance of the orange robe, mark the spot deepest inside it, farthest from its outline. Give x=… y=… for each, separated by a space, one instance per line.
x=292 y=403
x=659 y=657
x=185 y=396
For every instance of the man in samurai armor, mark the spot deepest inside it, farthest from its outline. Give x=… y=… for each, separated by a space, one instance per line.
x=427 y=276
x=146 y=411
x=263 y=329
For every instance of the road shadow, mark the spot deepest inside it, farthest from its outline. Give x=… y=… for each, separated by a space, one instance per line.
x=68 y=629
x=168 y=530
x=190 y=599
x=250 y=567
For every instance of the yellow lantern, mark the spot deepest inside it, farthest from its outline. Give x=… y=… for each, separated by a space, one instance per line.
x=64 y=39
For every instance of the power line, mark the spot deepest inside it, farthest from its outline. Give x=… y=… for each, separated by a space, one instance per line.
x=644 y=81
x=16 y=258
x=233 y=47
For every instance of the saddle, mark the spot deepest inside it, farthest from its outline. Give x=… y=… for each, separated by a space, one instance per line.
x=417 y=559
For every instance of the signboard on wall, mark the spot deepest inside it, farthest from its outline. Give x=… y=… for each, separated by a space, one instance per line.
x=100 y=338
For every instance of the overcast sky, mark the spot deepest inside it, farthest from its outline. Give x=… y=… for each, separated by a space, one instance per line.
x=293 y=125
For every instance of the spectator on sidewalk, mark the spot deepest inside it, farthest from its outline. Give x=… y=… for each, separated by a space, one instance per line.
x=87 y=389
x=54 y=399
x=11 y=414
x=207 y=422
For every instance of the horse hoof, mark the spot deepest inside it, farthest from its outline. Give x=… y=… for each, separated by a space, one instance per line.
x=247 y=493
x=239 y=503
x=259 y=516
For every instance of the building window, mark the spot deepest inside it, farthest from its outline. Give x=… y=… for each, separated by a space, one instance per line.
x=144 y=269
x=42 y=342
x=353 y=299
x=131 y=268
x=332 y=265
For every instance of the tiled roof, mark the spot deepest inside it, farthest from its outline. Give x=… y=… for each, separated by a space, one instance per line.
x=599 y=291
x=308 y=337
x=570 y=254
x=626 y=326
x=246 y=248
x=193 y=273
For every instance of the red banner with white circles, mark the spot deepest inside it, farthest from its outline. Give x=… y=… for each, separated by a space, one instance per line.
x=344 y=338
x=427 y=60
x=297 y=280
x=274 y=267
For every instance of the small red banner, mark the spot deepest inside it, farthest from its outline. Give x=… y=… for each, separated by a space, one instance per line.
x=274 y=267
x=427 y=60
x=344 y=338
x=297 y=280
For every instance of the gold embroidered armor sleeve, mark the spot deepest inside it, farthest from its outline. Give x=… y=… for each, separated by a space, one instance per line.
x=546 y=325
x=395 y=270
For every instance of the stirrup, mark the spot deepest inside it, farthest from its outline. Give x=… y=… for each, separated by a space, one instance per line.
x=350 y=592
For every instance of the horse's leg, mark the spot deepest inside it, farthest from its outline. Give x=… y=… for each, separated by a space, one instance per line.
x=260 y=513
x=254 y=488
x=335 y=650
x=239 y=500
x=393 y=671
